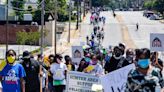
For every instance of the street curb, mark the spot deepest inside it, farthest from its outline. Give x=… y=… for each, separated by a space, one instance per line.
x=161 y=21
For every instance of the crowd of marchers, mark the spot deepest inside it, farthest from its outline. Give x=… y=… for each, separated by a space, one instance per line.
x=48 y=73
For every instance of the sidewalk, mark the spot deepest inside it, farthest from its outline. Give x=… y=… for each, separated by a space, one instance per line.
x=63 y=47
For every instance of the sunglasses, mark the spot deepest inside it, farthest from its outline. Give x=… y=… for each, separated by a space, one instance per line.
x=10 y=55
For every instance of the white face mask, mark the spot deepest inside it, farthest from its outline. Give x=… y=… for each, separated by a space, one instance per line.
x=117 y=58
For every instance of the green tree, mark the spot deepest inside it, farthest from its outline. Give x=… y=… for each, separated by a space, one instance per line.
x=33 y=37
x=30 y=8
x=49 y=8
x=21 y=37
x=149 y=4
x=18 y=5
x=159 y=6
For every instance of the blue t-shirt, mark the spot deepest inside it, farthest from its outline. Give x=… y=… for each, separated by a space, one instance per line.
x=11 y=77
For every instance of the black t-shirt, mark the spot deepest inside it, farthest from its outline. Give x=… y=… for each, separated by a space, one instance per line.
x=115 y=64
x=32 y=74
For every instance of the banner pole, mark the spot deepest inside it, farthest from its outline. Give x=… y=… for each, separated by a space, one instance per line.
x=40 y=75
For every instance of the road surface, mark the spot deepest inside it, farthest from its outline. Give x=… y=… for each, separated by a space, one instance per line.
x=141 y=37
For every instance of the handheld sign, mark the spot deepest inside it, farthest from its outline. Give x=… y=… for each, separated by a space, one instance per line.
x=116 y=80
x=156 y=42
x=77 y=53
x=3 y=63
x=81 y=82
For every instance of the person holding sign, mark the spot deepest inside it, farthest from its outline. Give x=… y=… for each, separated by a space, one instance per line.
x=94 y=68
x=145 y=78
x=155 y=61
x=58 y=69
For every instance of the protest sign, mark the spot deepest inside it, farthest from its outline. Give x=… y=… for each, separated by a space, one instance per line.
x=80 y=82
x=156 y=42
x=116 y=80
x=82 y=43
x=77 y=53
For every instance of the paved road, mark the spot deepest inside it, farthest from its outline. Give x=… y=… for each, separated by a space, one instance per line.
x=141 y=37
x=112 y=30
x=113 y=34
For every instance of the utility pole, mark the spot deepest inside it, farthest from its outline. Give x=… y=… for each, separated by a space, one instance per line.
x=42 y=25
x=90 y=4
x=55 y=27
x=69 y=33
x=84 y=10
x=77 y=23
x=7 y=22
x=80 y=10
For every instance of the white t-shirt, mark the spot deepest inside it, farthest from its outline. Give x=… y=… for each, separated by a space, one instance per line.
x=58 y=71
x=0 y=85
x=98 y=70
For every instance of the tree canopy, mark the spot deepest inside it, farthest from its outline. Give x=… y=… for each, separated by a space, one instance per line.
x=17 y=6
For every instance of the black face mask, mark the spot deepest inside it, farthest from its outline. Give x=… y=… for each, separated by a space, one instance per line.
x=26 y=59
x=117 y=54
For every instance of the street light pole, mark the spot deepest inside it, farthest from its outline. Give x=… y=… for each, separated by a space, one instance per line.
x=55 y=27
x=42 y=26
x=69 y=34
x=7 y=22
x=77 y=23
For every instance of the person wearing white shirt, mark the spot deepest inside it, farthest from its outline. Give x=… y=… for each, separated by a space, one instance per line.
x=58 y=69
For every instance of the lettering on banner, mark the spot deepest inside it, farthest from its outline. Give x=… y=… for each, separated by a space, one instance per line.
x=116 y=80
x=119 y=88
x=81 y=82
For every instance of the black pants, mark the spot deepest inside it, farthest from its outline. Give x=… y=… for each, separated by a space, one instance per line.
x=59 y=88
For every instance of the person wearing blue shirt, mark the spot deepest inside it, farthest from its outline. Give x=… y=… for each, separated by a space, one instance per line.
x=12 y=76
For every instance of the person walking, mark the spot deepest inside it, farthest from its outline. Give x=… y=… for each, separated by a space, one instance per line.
x=145 y=78
x=13 y=74
x=94 y=68
x=59 y=70
x=32 y=68
x=69 y=64
x=137 y=27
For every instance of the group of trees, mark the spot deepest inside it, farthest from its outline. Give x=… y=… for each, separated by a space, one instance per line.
x=157 y=5
x=62 y=9
x=23 y=38
x=18 y=6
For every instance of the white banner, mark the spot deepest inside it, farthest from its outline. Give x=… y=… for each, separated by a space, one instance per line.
x=116 y=80
x=81 y=82
x=77 y=53
x=157 y=42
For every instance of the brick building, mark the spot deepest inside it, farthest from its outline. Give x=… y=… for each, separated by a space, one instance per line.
x=13 y=29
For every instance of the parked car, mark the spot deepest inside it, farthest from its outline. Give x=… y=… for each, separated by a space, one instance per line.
x=154 y=17
x=148 y=13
